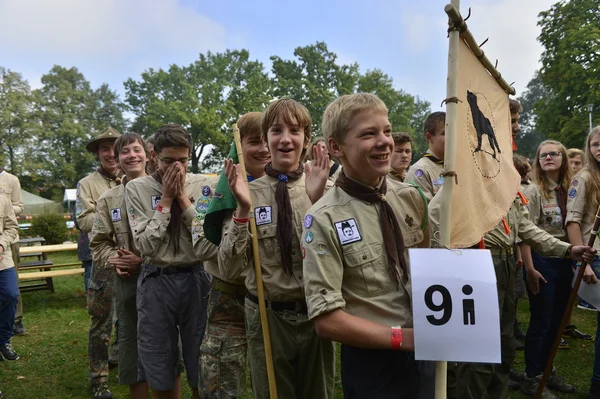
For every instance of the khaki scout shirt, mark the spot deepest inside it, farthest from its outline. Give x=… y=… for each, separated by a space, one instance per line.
x=545 y=212
x=89 y=189
x=9 y=232
x=396 y=177
x=578 y=209
x=235 y=251
x=10 y=187
x=111 y=230
x=345 y=264
x=149 y=227
x=425 y=173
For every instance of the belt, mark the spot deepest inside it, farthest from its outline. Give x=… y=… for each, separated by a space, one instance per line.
x=228 y=288
x=291 y=306
x=156 y=271
x=501 y=251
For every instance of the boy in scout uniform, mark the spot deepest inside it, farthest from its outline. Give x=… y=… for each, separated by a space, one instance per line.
x=9 y=282
x=101 y=284
x=482 y=380
x=356 y=273
x=401 y=156
x=224 y=347
x=165 y=212
x=10 y=187
x=303 y=361
x=113 y=252
x=426 y=172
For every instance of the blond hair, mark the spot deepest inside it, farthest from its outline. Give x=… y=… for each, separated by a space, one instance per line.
x=250 y=125
x=574 y=152
x=564 y=174
x=338 y=116
x=592 y=169
x=292 y=113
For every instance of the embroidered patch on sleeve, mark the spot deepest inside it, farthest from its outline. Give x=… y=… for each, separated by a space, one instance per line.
x=347 y=231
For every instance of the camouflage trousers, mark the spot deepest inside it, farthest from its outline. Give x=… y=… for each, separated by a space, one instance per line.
x=224 y=348
x=101 y=307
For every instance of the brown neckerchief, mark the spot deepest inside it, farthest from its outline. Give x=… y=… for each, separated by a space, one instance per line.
x=284 y=212
x=392 y=235
x=106 y=174
x=398 y=175
x=561 y=198
x=174 y=227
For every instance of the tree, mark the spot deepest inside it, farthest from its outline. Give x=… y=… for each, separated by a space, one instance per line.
x=206 y=98
x=106 y=110
x=421 y=111
x=15 y=108
x=570 y=35
x=533 y=100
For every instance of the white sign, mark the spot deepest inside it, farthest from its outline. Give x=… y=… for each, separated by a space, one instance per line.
x=588 y=292
x=455 y=305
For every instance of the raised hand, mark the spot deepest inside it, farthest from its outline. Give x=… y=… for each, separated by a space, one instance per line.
x=170 y=181
x=238 y=187
x=317 y=174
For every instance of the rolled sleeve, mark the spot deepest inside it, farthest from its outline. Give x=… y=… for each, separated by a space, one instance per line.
x=188 y=216
x=234 y=252
x=323 y=268
x=576 y=200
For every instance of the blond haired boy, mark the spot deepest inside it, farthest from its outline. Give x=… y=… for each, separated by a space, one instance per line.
x=356 y=269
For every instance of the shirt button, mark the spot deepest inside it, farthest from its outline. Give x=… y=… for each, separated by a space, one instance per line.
x=299 y=277
x=364 y=257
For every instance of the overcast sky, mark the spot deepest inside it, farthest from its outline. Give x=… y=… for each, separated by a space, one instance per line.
x=112 y=40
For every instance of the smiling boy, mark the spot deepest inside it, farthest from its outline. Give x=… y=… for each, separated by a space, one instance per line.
x=303 y=361
x=356 y=272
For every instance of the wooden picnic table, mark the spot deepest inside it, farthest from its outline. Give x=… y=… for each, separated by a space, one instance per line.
x=72 y=246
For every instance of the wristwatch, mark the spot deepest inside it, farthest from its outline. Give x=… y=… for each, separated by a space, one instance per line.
x=163 y=209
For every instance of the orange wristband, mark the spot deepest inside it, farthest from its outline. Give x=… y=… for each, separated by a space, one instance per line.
x=396 y=337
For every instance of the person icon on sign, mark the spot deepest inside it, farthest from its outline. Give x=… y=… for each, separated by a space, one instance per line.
x=468 y=306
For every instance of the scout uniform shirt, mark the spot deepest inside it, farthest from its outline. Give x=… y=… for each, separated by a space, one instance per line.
x=545 y=213
x=89 y=189
x=149 y=226
x=393 y=175
x=345 y=264
x=111 y=229
x=578 y=209
x=11 y=189
x=9 y=232
x=235 y=255
x=426 y=173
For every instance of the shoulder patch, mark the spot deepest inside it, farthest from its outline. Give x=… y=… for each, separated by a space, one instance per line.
x=575 y=183
x=115 y=214
x=572 y=193
x=419 y=172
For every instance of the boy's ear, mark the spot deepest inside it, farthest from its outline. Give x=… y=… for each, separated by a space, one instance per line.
x=428 y=137
x=306 y=142
x=335 y=150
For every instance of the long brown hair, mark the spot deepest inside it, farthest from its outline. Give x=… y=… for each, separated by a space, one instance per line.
x=592 y=169
x=564 y=173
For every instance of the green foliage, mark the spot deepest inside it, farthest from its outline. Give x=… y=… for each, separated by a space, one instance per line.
x=533 y=101
x=51 y=226
x=421 y=111
x=570 y=69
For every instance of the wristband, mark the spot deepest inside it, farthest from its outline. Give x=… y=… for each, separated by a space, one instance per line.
x=396 y=337
x=240 y=220
x=520 y=263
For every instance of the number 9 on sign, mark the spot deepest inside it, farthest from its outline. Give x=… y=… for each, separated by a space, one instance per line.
x=444 y=306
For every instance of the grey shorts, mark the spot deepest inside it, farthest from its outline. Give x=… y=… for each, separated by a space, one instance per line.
x=171 y=306
x=129 y=370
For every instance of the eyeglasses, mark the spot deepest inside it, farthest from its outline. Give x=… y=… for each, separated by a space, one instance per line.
x=169 y=161
x=553 y=154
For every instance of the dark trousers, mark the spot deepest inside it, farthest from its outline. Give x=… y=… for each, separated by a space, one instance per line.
x=9 y=291
x=378 y=373
x=596 y=376
x=546 y=310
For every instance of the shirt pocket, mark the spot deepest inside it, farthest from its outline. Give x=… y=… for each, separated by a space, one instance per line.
x=123 y=237
x=365 y=271
x=268 y=248
x=412 y=238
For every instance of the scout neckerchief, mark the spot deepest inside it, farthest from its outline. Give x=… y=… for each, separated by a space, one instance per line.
x=561 y=197
x=107 y=175
x=284 y=212
x=174 y=227
x=433 y=158
x=398 y=175
x=392 y=235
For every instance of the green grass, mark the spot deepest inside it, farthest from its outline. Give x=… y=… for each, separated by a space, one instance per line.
x=53 y=362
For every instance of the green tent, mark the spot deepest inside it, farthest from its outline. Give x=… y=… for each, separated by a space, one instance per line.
x=35 y=205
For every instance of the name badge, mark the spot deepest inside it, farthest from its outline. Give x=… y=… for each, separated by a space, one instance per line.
x=347 y=231
x=263 y=215
x=115 y=214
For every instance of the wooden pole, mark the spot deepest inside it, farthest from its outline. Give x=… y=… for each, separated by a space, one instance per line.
x=259 y=282
x=566 y=316
x=441 y=368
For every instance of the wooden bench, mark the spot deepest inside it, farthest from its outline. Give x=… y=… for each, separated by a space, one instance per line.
x=50 y=274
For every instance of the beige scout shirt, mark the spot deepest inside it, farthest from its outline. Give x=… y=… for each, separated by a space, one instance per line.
x=9 y=232
x=149 y=227
x=235 y=251
x=545 y=213
x=425 y=173
x=578 y=209
x=111 y=229
x=89 y=189
x=396 y=177
x=10 y=187
x=345 y=264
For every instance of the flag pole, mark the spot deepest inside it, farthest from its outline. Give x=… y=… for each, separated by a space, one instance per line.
x=441 y=367
x=259 y=282
x=569 y=309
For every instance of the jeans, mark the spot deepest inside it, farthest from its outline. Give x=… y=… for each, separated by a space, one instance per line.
x=546 y=310
x=9 y=291
x=87 y=266
x=596 y=375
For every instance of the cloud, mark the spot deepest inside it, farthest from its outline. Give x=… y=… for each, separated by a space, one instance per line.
x=106 y=28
